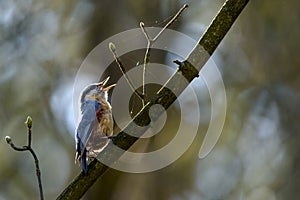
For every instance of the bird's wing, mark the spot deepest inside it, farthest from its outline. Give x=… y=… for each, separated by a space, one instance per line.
x=86 y=125
x=88 y=120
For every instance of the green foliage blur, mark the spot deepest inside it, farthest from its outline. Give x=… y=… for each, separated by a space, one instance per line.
x=43 y=43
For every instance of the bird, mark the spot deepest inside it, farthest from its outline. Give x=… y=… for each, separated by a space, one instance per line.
x=95 y=125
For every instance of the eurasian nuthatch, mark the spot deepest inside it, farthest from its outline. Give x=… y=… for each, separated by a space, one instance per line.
x=95 y=124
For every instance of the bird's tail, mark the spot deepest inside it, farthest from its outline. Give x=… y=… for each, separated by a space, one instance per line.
x=84 y=161
x=81 y=156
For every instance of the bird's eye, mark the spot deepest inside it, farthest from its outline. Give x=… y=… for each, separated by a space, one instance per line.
x=99 y=88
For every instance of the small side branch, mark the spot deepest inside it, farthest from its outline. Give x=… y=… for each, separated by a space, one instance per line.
x=28 y=148
x=171 y=21
x=150 y=43
x=112 y=48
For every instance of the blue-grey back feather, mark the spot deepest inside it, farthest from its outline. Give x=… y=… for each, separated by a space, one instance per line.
x=85 y=128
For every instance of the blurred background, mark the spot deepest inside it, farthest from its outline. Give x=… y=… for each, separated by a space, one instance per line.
x=43 y=43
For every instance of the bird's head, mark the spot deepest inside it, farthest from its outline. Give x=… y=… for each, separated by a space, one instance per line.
x=96 y=91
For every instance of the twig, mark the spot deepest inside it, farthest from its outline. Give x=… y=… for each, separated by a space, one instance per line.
x=28 y=148
x=171 y=21
x=146 y=59
x=150 y=42
x=112 y=48
x=209 y=41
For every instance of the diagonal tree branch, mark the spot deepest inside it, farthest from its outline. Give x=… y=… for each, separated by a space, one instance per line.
x=187 y=71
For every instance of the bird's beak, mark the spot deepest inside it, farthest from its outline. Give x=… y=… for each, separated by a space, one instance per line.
x=103 y=84
x=109 y=87
x=105 y=81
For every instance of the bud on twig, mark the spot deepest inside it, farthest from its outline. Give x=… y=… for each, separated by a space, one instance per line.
x=8 y=139
x=142 y=24
x=112 y=47
x=29 y=122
